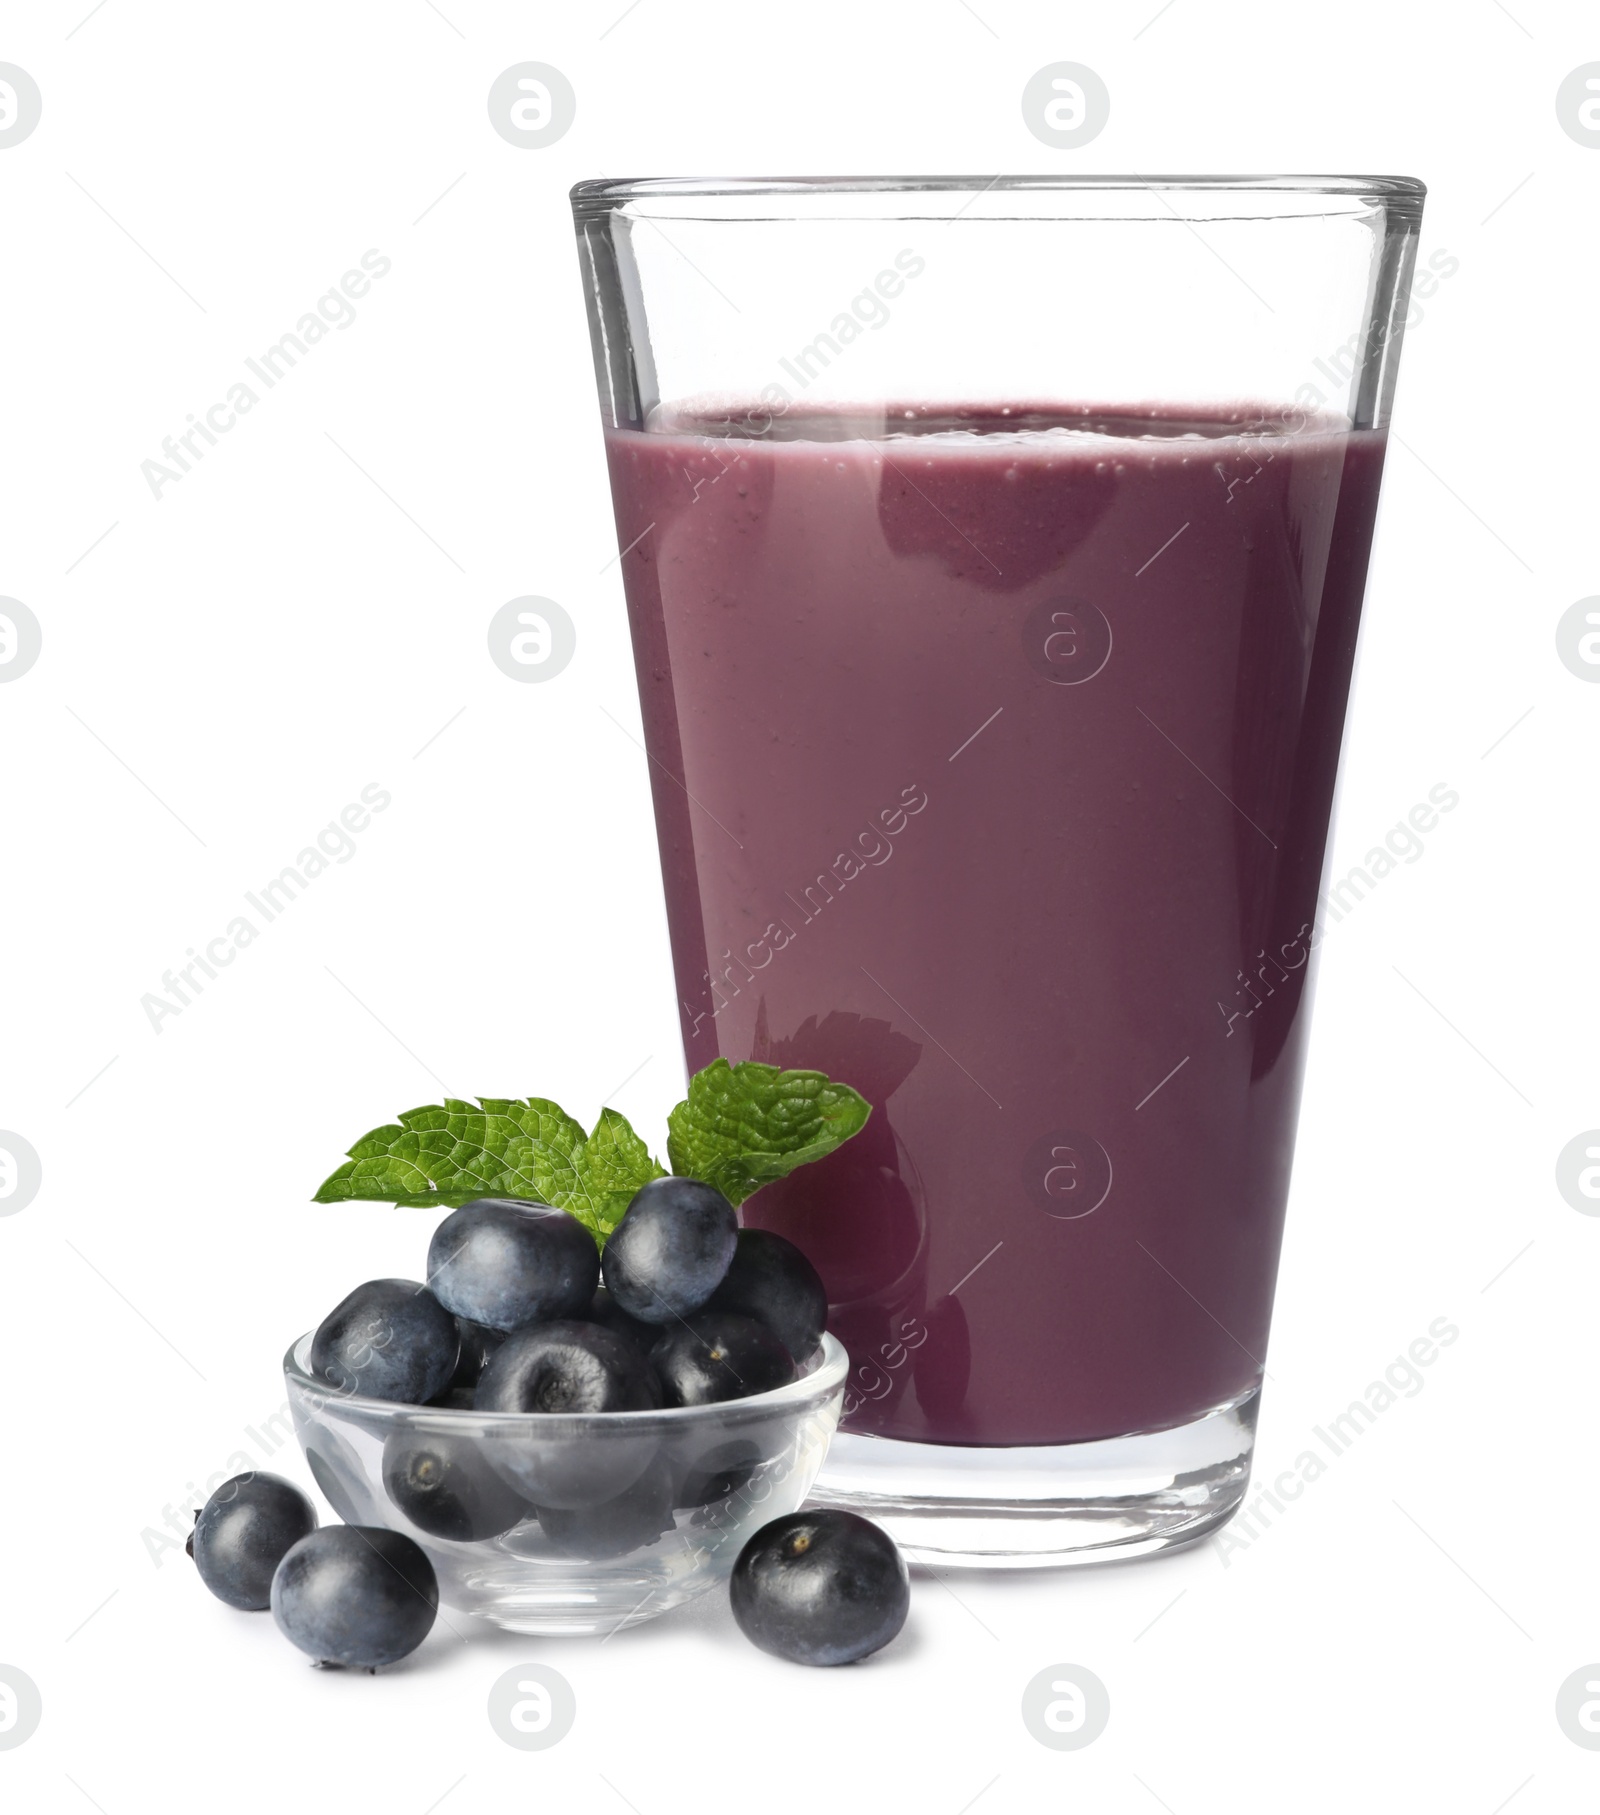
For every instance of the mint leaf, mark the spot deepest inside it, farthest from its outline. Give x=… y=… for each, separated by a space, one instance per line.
x=597 y=1179
x=448 y=1154
x=742 y=1126
x=616 y=1158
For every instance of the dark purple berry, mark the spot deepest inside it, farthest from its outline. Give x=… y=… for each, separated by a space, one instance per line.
x=357 y=1595
x=390 y=1339
x=671 y=1250
x=629 y=1521
x=771 y=1280
x=567 y=1367
x=445 y=1487
x=823 y=1587
x=505 y=1262
x=241 y=1533
x=719 y=1355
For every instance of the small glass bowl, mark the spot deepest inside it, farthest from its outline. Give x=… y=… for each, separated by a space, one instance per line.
x=562 y=1522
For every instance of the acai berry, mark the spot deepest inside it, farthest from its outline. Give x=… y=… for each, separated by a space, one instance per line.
x=567 y=1367
x=770 y=1279
x=390 y=1339
x=671 y=1250
x=445 y=1487
x=824 y=1587
x=612 y=1528
x=242 y=1532
x=505 y=1262
x=719 y=1355
x=356 y=1595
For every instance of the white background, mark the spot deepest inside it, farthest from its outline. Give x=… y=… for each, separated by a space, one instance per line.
x=229 y=666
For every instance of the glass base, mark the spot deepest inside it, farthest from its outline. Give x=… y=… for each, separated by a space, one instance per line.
x=534 y=1592
x=1048 y=1506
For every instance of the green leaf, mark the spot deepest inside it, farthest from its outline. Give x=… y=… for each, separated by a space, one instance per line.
x=597 y=1179
x=448 y=1154
x=742 y=1126
x=616 y=1158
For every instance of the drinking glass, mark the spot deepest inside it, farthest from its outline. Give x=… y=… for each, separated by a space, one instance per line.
x=994 y=552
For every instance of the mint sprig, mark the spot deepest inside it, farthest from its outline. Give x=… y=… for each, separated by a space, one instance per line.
x=450 y=1153
x=597 y=1180
x=739 y=1127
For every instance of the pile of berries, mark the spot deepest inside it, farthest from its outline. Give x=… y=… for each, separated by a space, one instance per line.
x=523 y=1314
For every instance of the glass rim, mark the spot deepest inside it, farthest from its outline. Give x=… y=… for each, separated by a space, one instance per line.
x=597 y=195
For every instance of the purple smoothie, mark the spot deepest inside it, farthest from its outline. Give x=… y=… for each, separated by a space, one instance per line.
x=993 y=758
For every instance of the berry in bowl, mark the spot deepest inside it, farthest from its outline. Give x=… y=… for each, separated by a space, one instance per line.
x=574 y=1444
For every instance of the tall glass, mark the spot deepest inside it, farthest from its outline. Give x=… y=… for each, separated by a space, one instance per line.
x=994 y=551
